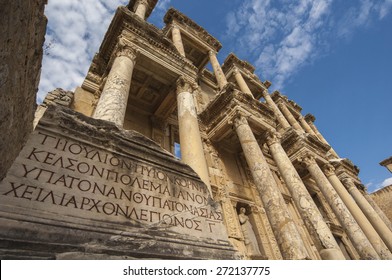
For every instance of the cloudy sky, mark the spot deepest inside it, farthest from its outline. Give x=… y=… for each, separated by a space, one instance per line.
x=332 y=57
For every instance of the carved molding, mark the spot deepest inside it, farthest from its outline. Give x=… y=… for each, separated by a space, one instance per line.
x=307 y=160
x=185 y=84
x=329 y=170
x=239 y=119
x=273 y=137
x=124 y=49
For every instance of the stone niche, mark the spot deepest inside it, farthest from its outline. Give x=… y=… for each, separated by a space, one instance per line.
x=84 y=189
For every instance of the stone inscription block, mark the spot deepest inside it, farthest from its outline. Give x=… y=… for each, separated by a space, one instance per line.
x=59 y=174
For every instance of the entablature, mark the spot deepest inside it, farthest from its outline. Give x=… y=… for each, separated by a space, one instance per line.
x=233 y=64
x=298 y=144
x=294 y=108
x=148 y=40
x=192 y=28
x=219 y=114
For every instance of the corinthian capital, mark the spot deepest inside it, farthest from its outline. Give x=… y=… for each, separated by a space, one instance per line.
x=123 y=49
x=239 y=119
x=348 y=183
x=185 y=84
x=273 y=137
x=328 y=169
x=142 y=2
x=307 y=160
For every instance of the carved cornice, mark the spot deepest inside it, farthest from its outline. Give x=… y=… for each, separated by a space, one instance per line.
x=293 y=107
x=232 y=59
x=345 y=165
x=293 y=142
x=200 y=32
x=150 y=5
x=140 y=33
x=229 y=98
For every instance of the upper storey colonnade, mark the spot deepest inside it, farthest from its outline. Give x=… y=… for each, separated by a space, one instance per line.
x=366 y=230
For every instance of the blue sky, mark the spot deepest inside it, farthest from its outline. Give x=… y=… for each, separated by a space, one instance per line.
x=332 y=57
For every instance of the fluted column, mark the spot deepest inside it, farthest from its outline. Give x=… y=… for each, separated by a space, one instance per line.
x=286 y=112
x=308 y=210
x=112 y=103
x=192 y=152
x=241 y=82
x=281 y=118
x=368 y=210
x=356 y=235
x=283 y=226
x=362 y=221
x=177 y=40
x=141 y=8
x=378 y=210
x=220 y=76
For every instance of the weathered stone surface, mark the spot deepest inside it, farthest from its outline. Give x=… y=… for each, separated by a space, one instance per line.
x=383 y=198
x=22 y=34
x=106 y=191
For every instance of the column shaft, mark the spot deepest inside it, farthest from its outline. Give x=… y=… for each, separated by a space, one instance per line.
x=220 y=76
x=113 y=101
x=360 y=218
x=308 y=210
x=368 y=210
x=191 y=146
x=241 y=82
x=356 y=235
x=306 y=126
x=177 y=40
x=285 y=231
x=377 y=208
x=141 y=8
x=286 y=112
x=281 y=118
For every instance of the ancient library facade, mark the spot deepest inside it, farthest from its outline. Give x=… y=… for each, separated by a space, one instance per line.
x=100 y=178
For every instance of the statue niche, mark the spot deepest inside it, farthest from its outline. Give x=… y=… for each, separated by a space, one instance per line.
x=252 y=247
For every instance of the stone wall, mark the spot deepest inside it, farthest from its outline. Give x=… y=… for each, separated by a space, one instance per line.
x=383 y=198
x=22 y=35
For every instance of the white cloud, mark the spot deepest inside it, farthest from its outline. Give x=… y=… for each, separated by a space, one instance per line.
x=386 y=182
x=75 y=31
x=281 y=36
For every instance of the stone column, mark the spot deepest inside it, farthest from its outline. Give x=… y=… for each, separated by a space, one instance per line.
x=177 y=40
x=306 y=126
x=241 y=82
x=283 y=226
x=220 y=76
x=286 y=112
x=362 y=221
x=281 y=119
x=141 y=8
x=307 y=208
x=381 y=213
x=113 y=101
x=192 y=152
x=356 y=235
x=368 y=210
x=310 y=119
